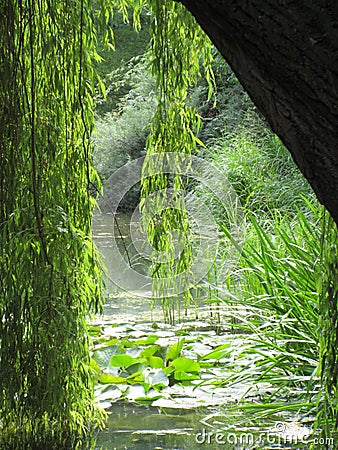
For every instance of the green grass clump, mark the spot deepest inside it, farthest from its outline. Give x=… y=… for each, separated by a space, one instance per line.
x=276 y=283
x=121 y=135
x=261 y=172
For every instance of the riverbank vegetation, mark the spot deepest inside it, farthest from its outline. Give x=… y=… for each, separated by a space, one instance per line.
x=278 y=279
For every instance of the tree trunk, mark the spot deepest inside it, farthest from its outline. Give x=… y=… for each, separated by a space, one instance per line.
x=285 y=54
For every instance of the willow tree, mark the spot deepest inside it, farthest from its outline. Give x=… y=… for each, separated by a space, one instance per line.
x=49 y=273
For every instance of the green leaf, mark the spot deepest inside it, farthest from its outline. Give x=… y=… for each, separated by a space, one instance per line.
x=155 y=377
x=174 y=350
x=94 y=330
x=103 y=356
x=150 y=351
x=107 y=378
x=186 y=365
x=136 y=377
x=155 y=362
x=180 y=375
x=147 y=400
x=121 y=360
x=148 y=341
x=137 y=366
x=169 y=370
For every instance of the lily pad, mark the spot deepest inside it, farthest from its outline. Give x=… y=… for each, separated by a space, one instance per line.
x=155 y=377
x=175 y=350
x=107 y=378
x=185 y=364
x=121 y=360
x=102 y=356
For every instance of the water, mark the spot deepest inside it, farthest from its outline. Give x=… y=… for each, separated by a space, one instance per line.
x=174 y=425
x=146 y=428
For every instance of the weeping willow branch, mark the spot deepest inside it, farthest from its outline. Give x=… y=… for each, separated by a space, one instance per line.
x=50 y=277
x=179 y=47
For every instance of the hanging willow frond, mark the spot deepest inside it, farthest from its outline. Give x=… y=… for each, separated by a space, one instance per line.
x=179 y=49
x=50 y=276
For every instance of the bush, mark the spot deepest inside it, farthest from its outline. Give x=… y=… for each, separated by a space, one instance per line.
x=121 y=135
x=261 y=172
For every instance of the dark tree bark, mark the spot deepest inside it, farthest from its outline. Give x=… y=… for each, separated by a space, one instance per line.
x=285 y=54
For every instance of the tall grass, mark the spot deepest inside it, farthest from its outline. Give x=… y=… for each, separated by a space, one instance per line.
x=261 y=171
x=273 y=295
x=327 y=416
x=278 y=282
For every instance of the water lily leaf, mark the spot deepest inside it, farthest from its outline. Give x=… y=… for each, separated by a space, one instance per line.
x=148 y=399
x=126 y=343
x=94 y=330
x=150 y=351
x=180 y=375
x=185 y=365
x=135 y=378
x=155 y=362
x=121 y=360
x=110 y=342
x=134 y=392
x=155 y=377
x=136 y=367
x=169 y=370
x=102 y=356
x=107 y=378
x=111 y=393
x=151 y=339
x=134 y=352
x=174 y=350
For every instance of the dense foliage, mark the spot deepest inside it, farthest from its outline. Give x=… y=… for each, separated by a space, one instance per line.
x=50 y=276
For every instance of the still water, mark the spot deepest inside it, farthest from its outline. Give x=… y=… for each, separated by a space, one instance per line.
x=136 y=427
x=144 y=428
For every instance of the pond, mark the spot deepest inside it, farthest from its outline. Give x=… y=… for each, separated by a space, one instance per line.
x=198 y=412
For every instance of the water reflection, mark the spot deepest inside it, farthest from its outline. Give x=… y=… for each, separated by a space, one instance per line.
x=144 y=428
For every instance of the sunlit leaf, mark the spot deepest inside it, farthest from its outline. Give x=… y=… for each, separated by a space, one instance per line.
x=106 y=378
x=121 y=360
x=180 y=375
x=174 y=350
x=185 y=364
x=155 y=362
